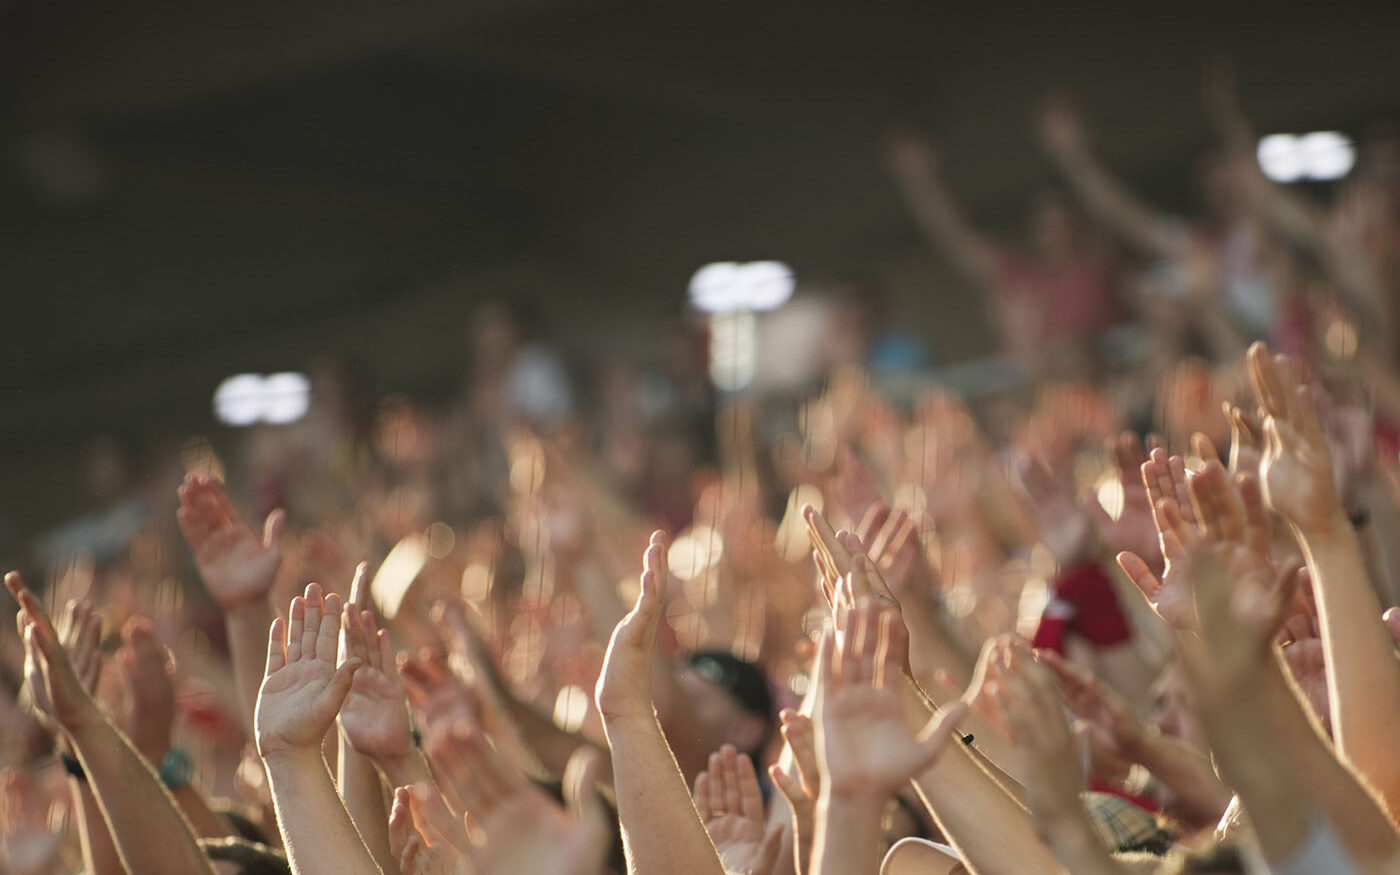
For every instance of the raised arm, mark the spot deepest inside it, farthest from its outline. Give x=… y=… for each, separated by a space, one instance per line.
x=301 y=693
x=134 y=803
x=1054 y=775
x=1264 y=744
x=237 y=567
x=373 y=722
x=1062 y=136
x=865 y=750
x=661 y=829
x=913 y=162
x=1362 y=674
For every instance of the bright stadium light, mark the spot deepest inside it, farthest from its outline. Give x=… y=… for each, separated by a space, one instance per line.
x=248 y=399
x=728 y=285
x=1321 y=156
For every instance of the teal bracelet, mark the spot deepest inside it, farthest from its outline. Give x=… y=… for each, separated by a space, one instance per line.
x=175 y=768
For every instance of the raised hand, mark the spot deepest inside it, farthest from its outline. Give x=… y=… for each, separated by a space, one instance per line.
x=844 y=570
x=1108 y=716
x=235 y=564
x=624 y=684
x=1058 y=127
x=802 y=791
x=147 y=710
x=910 y=155
x=1230 y=510
x=59 y=685
x=864 y=747
x=731 y=805
x=1241 y=608
x=514 y=828
x=897 y=552
x=1061 y=522
x=79 y=632
x=1164 y=478
x=440 y=699
x=302 y=688
x=417 y=855
x=374 y=717
x=1054 y=776
x=1297 y=466
x=1246 y=440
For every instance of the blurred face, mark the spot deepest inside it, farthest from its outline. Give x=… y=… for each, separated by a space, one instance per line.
x=719 y=713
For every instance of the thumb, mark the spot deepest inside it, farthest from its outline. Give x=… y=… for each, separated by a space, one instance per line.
x=1138 y=572
x=941 y=728
x=339 y=687
x=640 y=624
x=272 y=529
x=785 y=785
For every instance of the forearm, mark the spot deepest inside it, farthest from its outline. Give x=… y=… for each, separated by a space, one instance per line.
x=245 y=626
x=945 y=228
x=990 y=829
x=1075 y=843
x=363 y=795
x=1112 y=204
x=933 y=647
x=99 y=853
x=1254 y=763
x=317 y=832
x=1362 y=673
x=661 y=830
x=206 y=824
x=848 y=835
x=134 y=804
x=1198 y=796
x=1354 y=811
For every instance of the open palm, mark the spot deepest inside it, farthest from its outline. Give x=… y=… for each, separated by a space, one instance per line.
x=374 y=717
x=234 y=563
x=864 y=746
x=302 y=689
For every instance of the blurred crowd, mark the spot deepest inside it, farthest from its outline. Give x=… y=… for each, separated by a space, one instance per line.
x=1125 y=608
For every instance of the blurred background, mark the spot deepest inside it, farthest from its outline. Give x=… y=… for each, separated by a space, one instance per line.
x=189 y=192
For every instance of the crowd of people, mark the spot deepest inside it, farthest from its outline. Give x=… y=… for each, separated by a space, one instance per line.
x=1132 y=612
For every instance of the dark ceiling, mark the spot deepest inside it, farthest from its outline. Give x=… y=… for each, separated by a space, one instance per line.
x=187 y=189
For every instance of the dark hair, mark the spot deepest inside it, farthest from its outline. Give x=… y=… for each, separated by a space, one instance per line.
x=741 y=679
x=252 y=858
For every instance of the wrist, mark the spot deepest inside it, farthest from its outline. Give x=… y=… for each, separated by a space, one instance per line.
x=403 y=770
x=290 y=760
x=630 y=717
x=82 y=720
x=1331 y=527
x=853 y=794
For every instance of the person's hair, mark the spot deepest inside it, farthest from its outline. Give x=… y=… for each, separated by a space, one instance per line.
x=1213 y=858
x=741 y=679
x=242 y=821
x=252 y=858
